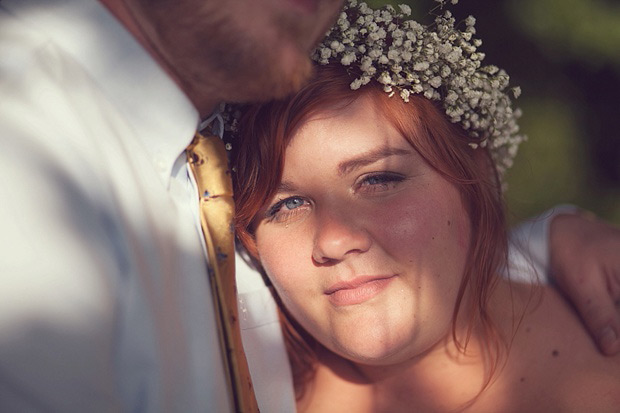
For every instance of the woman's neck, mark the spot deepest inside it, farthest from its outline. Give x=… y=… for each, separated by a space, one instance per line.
x=443 y=378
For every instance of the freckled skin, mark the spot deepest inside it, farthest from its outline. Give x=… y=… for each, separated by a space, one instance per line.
x=343 y=231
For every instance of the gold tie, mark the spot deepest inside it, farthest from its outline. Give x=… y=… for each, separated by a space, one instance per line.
x=207 y=158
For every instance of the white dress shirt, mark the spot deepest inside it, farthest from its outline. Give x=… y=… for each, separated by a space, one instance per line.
x=104 y=301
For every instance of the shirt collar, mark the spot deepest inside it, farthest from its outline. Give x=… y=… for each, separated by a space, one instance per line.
x=162 y=116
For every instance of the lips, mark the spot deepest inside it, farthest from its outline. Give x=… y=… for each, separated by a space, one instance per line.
x=357 y=290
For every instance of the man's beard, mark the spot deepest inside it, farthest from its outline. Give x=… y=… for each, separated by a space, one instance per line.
x=236 y=67
x=259 y=72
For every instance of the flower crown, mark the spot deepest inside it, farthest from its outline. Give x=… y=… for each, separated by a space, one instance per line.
x=437 y=61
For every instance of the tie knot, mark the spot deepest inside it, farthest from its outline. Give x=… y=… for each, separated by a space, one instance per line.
x=208 y=160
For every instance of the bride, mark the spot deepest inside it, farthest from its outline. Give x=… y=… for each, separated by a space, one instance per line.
x=378 y=218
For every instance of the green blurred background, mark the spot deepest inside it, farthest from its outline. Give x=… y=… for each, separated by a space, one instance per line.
x=565 y=55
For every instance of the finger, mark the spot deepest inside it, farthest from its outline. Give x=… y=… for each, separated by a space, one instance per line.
x=599 y=313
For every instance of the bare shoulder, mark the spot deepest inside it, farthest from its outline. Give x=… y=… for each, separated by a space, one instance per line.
x=553 y=362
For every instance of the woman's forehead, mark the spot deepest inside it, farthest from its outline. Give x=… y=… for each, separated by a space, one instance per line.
x=361 y=113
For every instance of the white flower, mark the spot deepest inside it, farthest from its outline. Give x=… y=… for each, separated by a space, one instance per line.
x=452 y=97
x=366 y=63
x=420 y=66
x=404 y=94
x=384 y=78
x=405 y=9
x=397 y=34
x=375 y=54
x=454 y=55
x=393 y=55
x=356 y=84
x=435 y=82
x=386 y=15
x=348 y=58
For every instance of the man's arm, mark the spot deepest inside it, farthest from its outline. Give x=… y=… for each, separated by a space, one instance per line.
x=581 y=256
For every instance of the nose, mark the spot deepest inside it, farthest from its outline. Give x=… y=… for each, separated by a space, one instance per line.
x=338 y=237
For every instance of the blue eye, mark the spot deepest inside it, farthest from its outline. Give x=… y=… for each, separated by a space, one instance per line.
x=379 y=181
x=292 y=203
x=285 y=208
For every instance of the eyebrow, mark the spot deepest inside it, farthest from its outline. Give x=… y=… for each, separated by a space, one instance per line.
x=350 y=165
x=369 y=157
x=285 y=186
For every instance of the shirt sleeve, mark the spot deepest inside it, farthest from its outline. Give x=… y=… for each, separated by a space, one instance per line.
x=529 y=246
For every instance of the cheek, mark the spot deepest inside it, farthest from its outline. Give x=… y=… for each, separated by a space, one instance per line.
x=407 y=224
x=428 y=230
x=281 y=255
x=273 y=256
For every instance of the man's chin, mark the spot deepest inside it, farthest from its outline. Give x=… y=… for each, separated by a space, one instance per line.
x=276 y=82
x=294 y=77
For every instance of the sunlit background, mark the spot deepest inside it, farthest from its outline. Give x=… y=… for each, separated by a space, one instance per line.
x=565 y=55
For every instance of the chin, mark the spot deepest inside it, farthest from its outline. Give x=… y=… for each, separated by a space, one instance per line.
x=370 y=352
x=294 y=77
x=275 y=81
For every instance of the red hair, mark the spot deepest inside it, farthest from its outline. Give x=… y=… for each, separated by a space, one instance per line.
x=265 y=131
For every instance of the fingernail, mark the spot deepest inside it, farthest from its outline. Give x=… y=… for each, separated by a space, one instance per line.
x=608 y=338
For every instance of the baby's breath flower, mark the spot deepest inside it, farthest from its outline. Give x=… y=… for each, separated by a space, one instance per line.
x=420 y=66
x=356 y=84
x=397 y=33
x=384 y=78
x=347 y=59
x=435 y=82
x=404 y=9
x=404 y=94
x=439 y=62
x=326 y=54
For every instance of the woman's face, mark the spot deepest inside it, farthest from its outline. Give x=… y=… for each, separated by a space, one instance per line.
x=364 y=242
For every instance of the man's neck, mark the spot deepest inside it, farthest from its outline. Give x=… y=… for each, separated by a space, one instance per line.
x=125 y=16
